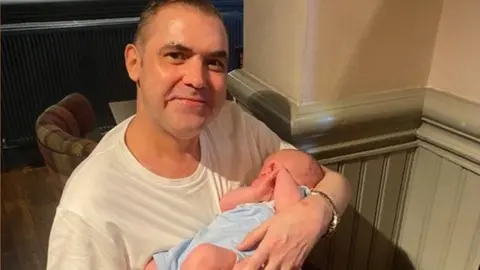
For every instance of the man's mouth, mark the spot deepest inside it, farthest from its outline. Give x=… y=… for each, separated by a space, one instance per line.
x=192 y=101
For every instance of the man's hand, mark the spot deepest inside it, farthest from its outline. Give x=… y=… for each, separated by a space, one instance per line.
x=285 y=240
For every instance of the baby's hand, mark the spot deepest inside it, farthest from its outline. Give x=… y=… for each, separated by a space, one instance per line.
x=265 y=185
x=266 y=192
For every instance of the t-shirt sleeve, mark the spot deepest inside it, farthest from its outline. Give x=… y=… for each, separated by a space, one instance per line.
x=76 y=245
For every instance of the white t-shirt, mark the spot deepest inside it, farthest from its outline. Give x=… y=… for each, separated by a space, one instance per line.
x=114 y=214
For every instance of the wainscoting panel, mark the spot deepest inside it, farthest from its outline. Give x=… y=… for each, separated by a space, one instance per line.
x=414 y=168
x=367 y=236
x=441 y=223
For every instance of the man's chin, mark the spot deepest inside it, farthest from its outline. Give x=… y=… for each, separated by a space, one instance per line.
x=187 y=134
x=188 y=129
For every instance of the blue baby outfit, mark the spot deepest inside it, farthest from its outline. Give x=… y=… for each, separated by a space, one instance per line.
x=227 y=230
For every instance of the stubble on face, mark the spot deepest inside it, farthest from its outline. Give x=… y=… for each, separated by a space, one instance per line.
x=184 y=69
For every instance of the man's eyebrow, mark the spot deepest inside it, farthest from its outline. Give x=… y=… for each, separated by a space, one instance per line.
x=182 y=48
x=219 y=54
x=176 y=46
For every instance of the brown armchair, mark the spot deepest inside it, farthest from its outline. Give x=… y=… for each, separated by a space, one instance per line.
x=62 y=134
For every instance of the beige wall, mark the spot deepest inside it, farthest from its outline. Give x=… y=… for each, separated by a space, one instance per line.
x=374 y=45
x=456 y=61
x=274 y=42
x=321 y=51
x=314 y=50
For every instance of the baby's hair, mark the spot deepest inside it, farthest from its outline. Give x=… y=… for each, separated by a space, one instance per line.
x=311 y=171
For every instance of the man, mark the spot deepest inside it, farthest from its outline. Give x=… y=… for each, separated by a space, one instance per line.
x=157 y=178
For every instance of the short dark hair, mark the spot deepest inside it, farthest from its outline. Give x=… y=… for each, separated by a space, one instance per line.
x=154 y=6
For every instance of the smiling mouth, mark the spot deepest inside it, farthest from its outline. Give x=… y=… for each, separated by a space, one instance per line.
x=188 y=101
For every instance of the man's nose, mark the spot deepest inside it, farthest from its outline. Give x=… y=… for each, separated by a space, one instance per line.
x=195 y=74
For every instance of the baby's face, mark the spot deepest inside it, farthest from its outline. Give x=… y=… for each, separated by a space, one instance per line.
x=275 y=161
x=268 y=167
x=298 y=164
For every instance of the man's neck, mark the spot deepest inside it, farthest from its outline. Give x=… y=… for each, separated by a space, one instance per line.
x=160 y=152
x=144 y=136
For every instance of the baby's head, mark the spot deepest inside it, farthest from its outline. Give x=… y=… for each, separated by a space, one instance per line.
x=304 y=169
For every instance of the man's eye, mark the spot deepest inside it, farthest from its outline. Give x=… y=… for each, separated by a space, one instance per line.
x=176 y=56
x=216 y=65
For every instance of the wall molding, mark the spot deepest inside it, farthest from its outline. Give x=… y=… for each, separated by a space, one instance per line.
x=452 y=113
x=452 y=142
x=382 y=121
x=413 y=159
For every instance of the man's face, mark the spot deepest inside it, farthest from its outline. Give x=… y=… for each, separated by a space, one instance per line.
x=180 y=70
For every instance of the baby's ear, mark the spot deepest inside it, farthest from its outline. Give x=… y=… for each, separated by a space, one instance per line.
x=266 y=168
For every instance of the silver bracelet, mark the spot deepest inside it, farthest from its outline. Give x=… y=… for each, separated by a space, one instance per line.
x=332 y=226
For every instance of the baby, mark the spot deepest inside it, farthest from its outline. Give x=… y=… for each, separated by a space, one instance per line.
x=285 y=178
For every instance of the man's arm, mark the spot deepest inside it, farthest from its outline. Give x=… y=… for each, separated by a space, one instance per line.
x=286 y=239
x=75 y=245
x=336 y=187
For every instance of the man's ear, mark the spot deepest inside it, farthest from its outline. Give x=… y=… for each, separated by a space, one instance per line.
x=133 y=62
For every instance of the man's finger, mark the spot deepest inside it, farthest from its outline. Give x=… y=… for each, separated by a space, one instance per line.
x=273 y=264
x=257 y=260
x=240 y=265
x=254 y=237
